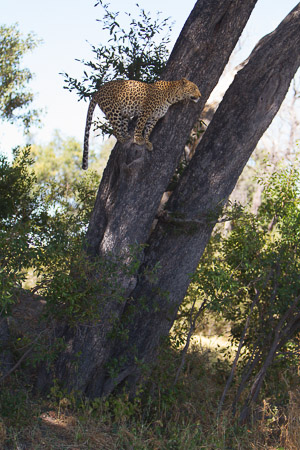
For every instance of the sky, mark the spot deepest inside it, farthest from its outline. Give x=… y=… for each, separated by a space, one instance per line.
x=67 y=28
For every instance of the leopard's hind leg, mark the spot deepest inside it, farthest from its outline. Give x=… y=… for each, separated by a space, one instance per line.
x=148 y=129
x=120 y=126
x=139 y=129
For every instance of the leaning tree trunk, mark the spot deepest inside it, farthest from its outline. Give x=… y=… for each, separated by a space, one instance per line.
x=183 y=231
x=134 y=181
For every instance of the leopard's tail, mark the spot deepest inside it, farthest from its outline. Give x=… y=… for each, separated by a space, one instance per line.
x=89 y=117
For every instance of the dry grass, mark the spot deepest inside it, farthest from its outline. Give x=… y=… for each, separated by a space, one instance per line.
x=167 y=417
x=290 y=431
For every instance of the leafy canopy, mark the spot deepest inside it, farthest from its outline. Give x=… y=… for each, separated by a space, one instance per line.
x=41 y=227
x=130 y=53
x=15 y=97
x=254 y=268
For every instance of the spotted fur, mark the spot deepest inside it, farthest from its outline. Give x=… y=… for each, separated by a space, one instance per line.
x=121 y=100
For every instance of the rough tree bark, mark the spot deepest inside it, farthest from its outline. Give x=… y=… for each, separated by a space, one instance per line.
x=246 y=111
x=135 y=179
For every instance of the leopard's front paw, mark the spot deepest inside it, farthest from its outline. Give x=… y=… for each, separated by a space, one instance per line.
x=139 y=140
x=149 y=146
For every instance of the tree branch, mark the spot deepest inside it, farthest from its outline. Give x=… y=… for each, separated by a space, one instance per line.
x=189 y=336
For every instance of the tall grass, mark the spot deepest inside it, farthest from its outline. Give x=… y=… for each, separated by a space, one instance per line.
x=163 y=416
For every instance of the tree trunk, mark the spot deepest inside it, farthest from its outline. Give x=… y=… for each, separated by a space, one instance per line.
x=135 y=179
x=244 y=114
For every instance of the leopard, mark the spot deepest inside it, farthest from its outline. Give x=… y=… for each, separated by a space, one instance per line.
x=122 y=100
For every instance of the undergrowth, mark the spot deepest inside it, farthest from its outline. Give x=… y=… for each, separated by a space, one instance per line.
x=163 y=415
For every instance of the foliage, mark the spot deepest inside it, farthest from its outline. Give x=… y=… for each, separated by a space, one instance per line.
x=73 y=286
x=42 y=229
x=15 y=407
x=59 y=161
x=20 y=218
x=259 y=259
x=15 y=98
x=39 y=228
x=249 y=276
x=132 y=53
x=57 y=166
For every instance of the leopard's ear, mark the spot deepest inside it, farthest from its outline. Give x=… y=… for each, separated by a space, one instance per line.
x=184 y=80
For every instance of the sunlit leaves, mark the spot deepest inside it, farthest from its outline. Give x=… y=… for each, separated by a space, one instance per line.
x=136 y=52
x=258 y=258
x=41 y=227
x=15 y=96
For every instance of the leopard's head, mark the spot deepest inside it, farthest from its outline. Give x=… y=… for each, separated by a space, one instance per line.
x=190 y=90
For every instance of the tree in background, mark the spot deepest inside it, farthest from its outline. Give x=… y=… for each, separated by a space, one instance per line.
x=39 y=221
x=57 y=166
x=275 y=149
x=249 y=276
x=15 y=97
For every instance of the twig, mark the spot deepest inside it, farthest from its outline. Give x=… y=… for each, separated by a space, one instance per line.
x=16 y=365
x=252 y=362
x=278 y=336
x=233 y=368
x=22 y=357
x=188 y=339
